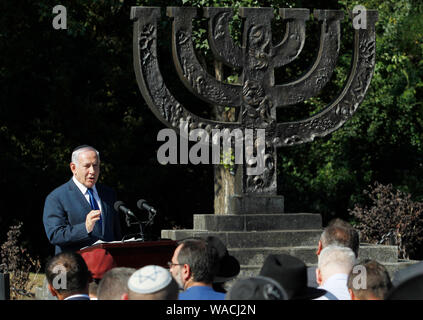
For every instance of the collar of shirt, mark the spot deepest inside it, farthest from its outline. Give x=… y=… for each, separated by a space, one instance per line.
x=81 y=295
x=83 y=188
x=84 y=191
x=337 y=285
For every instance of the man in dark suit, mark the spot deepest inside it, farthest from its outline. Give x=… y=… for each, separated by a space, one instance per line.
x=80 y=212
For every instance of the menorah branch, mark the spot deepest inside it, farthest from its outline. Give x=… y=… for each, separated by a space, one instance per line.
x=190 y=71
x=312 y=82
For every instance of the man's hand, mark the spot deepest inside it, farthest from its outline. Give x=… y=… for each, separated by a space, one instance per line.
x=92 y=217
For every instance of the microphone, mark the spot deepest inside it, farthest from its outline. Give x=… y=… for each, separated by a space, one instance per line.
x=120 y=206
x=142 y=204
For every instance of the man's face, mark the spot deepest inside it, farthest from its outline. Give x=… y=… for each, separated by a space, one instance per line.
x=176 y=268
x=87 y=169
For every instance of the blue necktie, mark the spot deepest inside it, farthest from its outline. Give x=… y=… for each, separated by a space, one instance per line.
x=94 y=204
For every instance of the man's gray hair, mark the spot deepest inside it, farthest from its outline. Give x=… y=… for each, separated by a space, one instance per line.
x=78 y=150
x=340 y=233
x=336 y=259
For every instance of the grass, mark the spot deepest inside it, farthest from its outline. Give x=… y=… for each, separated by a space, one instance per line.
x=37 y=280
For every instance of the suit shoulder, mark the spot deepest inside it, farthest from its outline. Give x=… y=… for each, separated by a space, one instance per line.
x=59 y=190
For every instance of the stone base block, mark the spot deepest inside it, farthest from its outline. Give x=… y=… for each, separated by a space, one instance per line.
x=252 y=239
x=257 y=222
x=249 y=204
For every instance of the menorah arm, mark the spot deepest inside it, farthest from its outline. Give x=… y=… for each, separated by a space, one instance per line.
x=150 y=81
x=220 y=40
x=189 y=70
x=319 y=74
x=344 y=106
x=294 y=38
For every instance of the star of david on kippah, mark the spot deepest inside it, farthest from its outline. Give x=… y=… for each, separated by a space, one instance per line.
x=149 y=279
x=151 y=276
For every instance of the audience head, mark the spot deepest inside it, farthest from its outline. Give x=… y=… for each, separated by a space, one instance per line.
x=291 y=273
x=67 y=274
x=114 y=284
x=369 y=280
x=409 y=289
x=334 y=260
x=152 y=283
x=339 y=233
x=257 y=288
x=98 y=261
x=194 y=261
x=229 y=266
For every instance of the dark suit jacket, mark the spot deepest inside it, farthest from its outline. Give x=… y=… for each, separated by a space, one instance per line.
x=65 y=211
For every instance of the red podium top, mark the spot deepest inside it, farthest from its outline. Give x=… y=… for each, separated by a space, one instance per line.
x=136 y=254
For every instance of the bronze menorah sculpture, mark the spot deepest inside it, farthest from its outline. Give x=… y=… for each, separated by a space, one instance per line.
x=257 y=96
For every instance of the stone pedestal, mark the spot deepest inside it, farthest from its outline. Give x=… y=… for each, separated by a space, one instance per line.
x=256 y=204
x=252 y=237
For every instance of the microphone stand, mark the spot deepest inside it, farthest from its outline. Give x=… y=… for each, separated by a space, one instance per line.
x=151 y=216
x=129 y=224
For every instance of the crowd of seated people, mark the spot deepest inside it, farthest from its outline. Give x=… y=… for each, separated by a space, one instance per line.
x=203 y=269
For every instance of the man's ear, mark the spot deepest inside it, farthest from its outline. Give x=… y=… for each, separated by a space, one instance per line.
x=186 y=272
x=319 y=248
x=319 y=279
x=72 y=167
x=52 y=290
x=353 y=297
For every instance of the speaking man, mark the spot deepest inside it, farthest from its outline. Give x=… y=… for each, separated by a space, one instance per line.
x=80 y=212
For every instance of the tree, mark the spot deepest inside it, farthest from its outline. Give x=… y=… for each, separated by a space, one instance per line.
x=63 y=88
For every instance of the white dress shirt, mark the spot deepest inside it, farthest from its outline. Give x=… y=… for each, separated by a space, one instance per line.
x=336 y=287
x=79 y=296
x=84 y=191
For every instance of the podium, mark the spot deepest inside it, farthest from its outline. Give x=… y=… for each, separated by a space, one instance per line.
x=136 y=254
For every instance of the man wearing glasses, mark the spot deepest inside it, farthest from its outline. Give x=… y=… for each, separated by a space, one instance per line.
x=194 y=265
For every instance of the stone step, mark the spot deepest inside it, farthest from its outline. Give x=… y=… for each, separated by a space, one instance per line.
x=251 y=239
x=256 y=256
x=382 y=253
x=257 y=222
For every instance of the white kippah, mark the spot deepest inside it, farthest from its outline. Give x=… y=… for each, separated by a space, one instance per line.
x=149 y=279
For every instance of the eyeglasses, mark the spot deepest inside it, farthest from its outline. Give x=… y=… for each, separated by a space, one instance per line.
x=171 y=264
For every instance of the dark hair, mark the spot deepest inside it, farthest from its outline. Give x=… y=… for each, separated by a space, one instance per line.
x=377 y=280
x=340 y=233
x=202 y=259
x=77 y=274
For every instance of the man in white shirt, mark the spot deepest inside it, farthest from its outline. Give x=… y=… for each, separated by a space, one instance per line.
x=334 y=266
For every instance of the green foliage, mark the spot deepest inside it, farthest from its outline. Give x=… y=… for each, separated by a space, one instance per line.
x=383 y=141
x=63 y=88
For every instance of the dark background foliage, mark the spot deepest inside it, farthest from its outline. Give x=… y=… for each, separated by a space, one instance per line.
x=63 y=88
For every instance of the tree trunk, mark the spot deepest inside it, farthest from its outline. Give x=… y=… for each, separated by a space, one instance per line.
x=224 y=181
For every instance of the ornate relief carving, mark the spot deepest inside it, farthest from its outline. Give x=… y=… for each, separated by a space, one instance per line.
x=257 y=95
